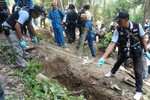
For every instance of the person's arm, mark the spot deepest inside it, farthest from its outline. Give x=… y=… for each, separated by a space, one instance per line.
x=109 y=49
x=23 y=16
x=143 y=41
x=112 y=44
x=31 y=29
x=18 y=30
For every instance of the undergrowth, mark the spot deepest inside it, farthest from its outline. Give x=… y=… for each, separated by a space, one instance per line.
x=40 y=90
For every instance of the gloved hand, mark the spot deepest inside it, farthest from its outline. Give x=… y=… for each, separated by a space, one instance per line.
x=35 y=39
x=147 y=54
x=23 y=44
x=101 y=61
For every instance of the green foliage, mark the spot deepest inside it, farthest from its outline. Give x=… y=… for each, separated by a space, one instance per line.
x=6 y=53
x=40 y=35
x=105 y=41
x=42 y=90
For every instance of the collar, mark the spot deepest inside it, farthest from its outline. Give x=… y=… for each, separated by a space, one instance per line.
x=130 y=25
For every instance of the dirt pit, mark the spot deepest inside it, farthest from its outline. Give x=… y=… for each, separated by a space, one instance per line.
x=79 y=80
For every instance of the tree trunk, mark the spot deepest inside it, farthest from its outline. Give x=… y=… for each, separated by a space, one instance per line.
x=146 y=12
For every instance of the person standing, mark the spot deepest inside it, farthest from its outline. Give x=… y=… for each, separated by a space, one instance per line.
x=57 y=19
x=130 y=36
x=12 y=29
x=71 y=24
x=90 y=35
x=80 y=23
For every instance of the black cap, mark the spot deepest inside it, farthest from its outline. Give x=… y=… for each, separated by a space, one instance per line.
x=71 y=6
x=121 y=15
x=86 y=6
x=38 y=10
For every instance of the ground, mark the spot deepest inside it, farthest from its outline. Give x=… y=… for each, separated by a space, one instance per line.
x=73 y=72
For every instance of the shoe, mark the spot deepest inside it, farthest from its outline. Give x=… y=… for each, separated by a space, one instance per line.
x=110 y=74
x=137 y=96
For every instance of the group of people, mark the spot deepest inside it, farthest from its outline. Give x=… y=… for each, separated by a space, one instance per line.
x=129 y=35
x=71 y=19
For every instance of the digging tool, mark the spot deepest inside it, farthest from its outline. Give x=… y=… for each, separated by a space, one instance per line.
x=82 y=41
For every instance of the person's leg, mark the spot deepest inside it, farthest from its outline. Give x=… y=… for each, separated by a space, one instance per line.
x=61 y=36
x=73 y=33
x=145 y=67
x=56 y=36
x=138 y=70
x=68 y=35
x=121 y=59
x=1 y=93
x=16 y=48
x=91 y=45
x=44 y=23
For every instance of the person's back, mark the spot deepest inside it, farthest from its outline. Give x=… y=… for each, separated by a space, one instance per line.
x=71 y=16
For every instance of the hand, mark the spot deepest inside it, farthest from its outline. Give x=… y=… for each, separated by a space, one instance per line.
x=23 y=44
x=101 y=61
x=147 y=54
x=61 y=23
x=35 y=39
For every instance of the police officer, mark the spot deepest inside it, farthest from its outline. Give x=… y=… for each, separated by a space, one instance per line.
x=12 y=28
x=131 y=38
x=57 y=19
x=90 y=35
x=71 y=24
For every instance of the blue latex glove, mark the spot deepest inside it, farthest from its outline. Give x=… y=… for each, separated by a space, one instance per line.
x=101 y=61
x=35 y=39
x=147 y=54
x=23 y=44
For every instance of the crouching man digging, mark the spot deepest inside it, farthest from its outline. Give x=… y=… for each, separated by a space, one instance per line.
x=12 y=29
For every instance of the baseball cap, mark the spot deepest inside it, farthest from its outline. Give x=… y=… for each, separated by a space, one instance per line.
x=38 y=10
x=121 y=15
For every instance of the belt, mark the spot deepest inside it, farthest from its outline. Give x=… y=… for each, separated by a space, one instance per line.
x=6 y=27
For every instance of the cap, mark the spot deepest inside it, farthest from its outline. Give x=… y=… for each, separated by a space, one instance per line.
x=53 y=3
x=71 y=6
x=38 y=10
x=121 y=15
x=86 y=6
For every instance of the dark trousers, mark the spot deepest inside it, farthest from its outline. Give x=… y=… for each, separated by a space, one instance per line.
x=71 y=35
x=42 y=20
x=138 y=69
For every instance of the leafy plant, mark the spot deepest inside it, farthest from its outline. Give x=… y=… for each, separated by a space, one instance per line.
x=42 y=90
x=105 y=41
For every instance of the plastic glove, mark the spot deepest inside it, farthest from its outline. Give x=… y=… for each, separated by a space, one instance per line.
x=35 y=39
x=147 y=54
x=23 y=44
x=101 y=61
